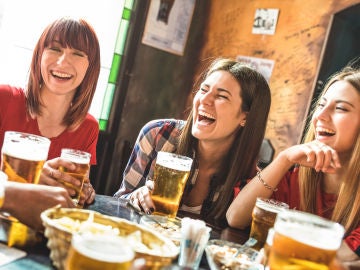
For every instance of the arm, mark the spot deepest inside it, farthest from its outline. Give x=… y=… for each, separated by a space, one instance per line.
x=312 y=154
x=26 y=201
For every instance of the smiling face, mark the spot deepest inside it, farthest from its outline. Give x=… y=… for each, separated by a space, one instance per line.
x=217 y=114
x=63 y=69
x=337 y=117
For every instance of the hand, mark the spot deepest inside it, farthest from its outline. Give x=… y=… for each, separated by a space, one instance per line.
x=26 y=201
x=52 y=176
x=141 y=198
x=314 y=154
x=87 y=195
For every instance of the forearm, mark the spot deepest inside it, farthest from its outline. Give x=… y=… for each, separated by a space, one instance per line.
x=239 y=212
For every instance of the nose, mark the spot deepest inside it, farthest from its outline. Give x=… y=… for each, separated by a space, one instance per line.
x=63 y=58
x=208 y=98
x=322 y=113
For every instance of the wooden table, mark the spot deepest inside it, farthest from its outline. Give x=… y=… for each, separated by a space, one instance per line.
x=38 y=256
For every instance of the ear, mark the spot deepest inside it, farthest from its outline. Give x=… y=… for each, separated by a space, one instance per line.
x=243 y=118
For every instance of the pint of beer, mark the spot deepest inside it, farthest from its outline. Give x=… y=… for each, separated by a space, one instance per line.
x=97 y=251
x=82 y=161
x=304 y=241
x=263 y=218
x=170 y=176
x=23 y=156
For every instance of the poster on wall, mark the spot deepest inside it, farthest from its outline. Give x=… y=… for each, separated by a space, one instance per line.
x=167 y=25
x=265 y=21
x=264 y=66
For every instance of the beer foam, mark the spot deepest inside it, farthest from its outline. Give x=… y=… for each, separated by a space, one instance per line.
x=174 y=161
x=111 y=249
x=76 y=156
x=271 y=205
x=312 y=230
x=21 y=151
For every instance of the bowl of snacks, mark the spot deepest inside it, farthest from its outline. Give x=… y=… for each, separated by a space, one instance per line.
x=225 y=255
x=61 y=223
x=168 y=227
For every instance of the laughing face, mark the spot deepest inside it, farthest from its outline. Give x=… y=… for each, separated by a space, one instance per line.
x=63 y=69
x=337 y=118
x=217 y=113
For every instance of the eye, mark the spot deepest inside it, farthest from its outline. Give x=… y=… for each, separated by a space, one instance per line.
x=54 y=48
x=223 y=96
x=341 y=109
x=80 y=54
x=203 y=90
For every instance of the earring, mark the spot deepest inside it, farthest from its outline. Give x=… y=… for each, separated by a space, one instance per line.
x=243 y=123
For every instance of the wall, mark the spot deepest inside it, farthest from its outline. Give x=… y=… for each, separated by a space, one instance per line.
x=296 y=47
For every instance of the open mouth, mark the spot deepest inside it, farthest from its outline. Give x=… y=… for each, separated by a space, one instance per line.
x=61 y=76
x=325 y=132
x=206 y=118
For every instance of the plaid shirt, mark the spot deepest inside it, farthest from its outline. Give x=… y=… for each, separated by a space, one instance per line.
x=155 y=136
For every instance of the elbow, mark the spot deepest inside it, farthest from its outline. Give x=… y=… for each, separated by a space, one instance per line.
x=235 y=222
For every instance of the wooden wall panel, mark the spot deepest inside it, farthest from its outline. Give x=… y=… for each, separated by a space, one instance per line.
x=296 y=47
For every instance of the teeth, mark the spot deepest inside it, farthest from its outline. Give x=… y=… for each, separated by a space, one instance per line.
x=207 y=115
x=325 y=130
x=61 y=75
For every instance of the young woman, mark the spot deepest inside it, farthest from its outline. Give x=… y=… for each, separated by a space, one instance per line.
x=63 y=75
x=326 y=177
x=223 y=135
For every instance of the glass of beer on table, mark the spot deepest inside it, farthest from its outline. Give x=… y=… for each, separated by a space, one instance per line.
x=82 y=161
x=304 y=241
x=170 y=176
x=23 y=156
x=263 y=218
x=91 y=251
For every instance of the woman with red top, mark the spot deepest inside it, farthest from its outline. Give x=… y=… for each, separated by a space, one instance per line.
x=62 y=80
x=326 y=177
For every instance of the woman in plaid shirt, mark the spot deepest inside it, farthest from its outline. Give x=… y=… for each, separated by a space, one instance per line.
x=223 y=135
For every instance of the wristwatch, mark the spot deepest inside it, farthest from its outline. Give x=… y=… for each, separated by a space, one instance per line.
x=3 y=179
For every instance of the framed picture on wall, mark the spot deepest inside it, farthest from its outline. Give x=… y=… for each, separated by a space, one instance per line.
x=265 y=21
x=167 y=25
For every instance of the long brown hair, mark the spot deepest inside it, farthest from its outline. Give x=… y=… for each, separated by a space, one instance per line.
x=73 y=33
x=240 y=162
x=347 y=207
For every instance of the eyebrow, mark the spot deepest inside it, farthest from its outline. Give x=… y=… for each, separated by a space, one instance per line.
x=219 y=89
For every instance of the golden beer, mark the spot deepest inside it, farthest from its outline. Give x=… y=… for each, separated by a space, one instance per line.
x=96 y=251
x=263 y=218
x=170 y=176
x=82 y=161
x=304 y=241
x=3 y=179
x=23 y=156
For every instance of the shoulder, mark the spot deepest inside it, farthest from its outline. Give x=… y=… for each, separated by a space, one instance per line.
x=8 y=91
x=90 y=125
x=164 y=125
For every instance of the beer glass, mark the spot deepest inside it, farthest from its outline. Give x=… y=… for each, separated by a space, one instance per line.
x=90 y=251
x=82 y=161
x=3 y=179
x=263 y=218
x=23 y=156
x=170 y=176
x=304 y=241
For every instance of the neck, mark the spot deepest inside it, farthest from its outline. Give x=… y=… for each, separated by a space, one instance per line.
x=211 y=156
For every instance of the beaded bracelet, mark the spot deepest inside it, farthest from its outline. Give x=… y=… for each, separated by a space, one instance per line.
x=264 y=183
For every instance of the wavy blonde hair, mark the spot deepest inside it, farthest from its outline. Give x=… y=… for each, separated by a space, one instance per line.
x=347 y=207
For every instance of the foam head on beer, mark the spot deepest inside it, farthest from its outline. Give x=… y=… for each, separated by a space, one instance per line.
x=90 y=251
x=304 y=240
x=23 y=156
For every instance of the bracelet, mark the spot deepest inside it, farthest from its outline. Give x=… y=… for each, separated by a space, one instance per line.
x=264 y=183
